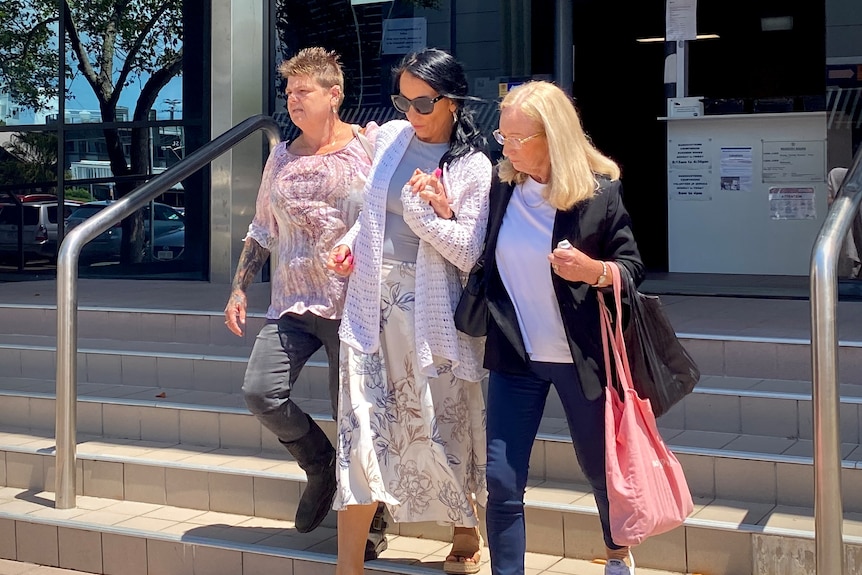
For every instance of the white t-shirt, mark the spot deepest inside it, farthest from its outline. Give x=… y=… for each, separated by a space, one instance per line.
x=522 y=258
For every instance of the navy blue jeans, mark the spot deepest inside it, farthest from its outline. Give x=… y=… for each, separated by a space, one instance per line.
x=514 y=411
x=280 y=351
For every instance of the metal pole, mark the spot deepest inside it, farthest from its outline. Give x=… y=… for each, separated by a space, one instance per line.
x=67 y=379
x=564 y=49
x=828 y=516
x=67 y=286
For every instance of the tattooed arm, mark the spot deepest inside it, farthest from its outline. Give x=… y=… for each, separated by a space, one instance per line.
x=251 y=261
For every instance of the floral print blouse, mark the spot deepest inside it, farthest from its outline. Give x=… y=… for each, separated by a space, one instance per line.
x=305 y=204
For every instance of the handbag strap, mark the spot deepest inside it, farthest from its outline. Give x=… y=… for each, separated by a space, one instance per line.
x=366 y=144
x=612 y=333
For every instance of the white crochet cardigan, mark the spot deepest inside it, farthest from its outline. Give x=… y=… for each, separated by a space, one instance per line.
x=447 y=251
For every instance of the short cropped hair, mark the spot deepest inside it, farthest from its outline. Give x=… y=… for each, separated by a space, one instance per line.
x=324 y=66
x=575 y=162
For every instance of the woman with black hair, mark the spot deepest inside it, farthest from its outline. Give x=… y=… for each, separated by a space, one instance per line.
x=411 y=414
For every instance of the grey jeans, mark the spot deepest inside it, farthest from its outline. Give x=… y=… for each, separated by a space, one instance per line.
x=280 y=351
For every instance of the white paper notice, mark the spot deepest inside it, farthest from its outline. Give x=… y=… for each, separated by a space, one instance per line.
x=791 y=204
x=404 y=35
x=794 y=161
x=681 y=20
x=736 y=170
x=689 y=171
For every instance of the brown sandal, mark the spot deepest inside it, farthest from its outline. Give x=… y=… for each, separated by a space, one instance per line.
x=466 y=552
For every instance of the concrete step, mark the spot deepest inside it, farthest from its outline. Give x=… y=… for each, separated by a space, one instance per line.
x=744 y=465
x=752 y=406
x=117 y=537
x=196 y=499
x=192 y=367
x=772 y=344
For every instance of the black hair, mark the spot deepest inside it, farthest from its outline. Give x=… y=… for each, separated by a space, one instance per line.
x=442 y=72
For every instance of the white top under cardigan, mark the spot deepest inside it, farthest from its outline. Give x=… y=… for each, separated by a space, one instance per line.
x=448 y=249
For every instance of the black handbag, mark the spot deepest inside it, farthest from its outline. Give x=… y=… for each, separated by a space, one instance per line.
x=662 y=369
x=471 y=315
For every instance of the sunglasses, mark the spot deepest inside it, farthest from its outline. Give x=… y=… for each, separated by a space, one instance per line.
x=423 y=104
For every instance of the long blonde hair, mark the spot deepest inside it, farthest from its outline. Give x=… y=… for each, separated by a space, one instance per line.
x=574 y=160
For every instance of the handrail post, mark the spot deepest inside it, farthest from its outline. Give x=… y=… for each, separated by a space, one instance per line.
x=67 y=381
x=67 y=288
x=826 y=400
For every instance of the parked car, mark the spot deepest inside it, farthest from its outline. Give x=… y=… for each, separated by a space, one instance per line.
x=170 y=246
x=40 y=228
x=106 y=246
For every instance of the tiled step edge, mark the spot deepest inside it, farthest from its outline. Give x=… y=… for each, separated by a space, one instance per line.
x=207 y=554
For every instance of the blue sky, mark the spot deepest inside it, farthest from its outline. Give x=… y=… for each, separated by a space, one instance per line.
x=84 y=99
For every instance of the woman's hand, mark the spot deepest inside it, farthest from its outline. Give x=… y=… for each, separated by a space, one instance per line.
x=234 y=311
x=573 y=265
x=340 y=260
x=429 y=188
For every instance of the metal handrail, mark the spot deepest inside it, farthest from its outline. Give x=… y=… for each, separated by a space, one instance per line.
x=67 y=286
x=828 y=514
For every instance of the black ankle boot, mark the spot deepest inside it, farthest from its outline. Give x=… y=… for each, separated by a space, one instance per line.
x=376 y=543
x=316 y=457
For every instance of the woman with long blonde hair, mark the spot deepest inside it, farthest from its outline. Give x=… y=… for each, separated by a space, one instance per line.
x=556 y=217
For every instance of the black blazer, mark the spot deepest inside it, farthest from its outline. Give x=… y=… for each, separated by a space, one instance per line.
x=601 y=228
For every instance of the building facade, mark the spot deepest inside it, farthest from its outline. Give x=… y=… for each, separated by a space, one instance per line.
x=766 y=74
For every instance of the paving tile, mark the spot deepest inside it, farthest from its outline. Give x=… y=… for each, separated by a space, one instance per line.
x=199 y=427
x=708 y=412
x=103 y=479
x=258 y=564
x=214 y=561
x=187 y=488
x=703 y=439
x=25 y=470
x=276 y=498
x=546 y=531
x=582 y=537
x=37 y=543
x=231 y=493
x=173 y=371
x=122 y=421
x=770 y=416
x=8 y=567
x=734 y=512
x=749 y=480
x=173 y=514
x=131 y=508
x=8 y=545
x=80 y=550
x=14 y=411
x=789 y=517
x=169 y=558
x=760 y=444
x=103 y=368
x=712 y=551
x=158 y=424
x=239 y=431
x=123 y=555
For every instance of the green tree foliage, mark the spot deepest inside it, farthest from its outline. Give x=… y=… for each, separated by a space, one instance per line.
x=31 y=158
x=110 y=44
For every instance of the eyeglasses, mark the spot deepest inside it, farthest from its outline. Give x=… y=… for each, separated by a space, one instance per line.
x=514 y=143
x=423 y=104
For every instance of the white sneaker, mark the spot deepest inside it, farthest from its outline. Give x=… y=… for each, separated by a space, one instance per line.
x=619 y=567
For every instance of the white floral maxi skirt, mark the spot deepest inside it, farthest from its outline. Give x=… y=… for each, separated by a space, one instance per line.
x=413 y=442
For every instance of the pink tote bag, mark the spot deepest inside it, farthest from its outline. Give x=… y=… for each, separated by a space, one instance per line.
x=647 y=489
